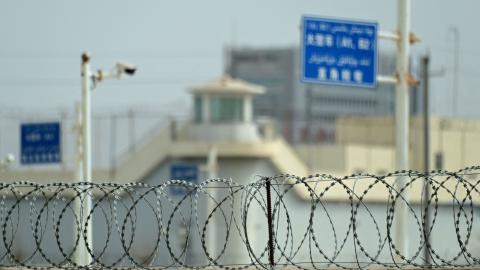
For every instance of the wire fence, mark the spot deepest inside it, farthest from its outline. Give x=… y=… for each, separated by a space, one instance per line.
x=319 y=221
x=114 y=134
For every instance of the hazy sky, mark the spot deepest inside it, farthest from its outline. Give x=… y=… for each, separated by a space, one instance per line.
x=179 y=43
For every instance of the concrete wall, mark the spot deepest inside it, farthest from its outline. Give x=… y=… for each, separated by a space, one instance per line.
x=341 y=160
x=457 y=140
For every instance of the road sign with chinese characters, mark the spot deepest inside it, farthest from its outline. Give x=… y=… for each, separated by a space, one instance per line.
x=40 y=143
x=183 y=171
x=339 y=52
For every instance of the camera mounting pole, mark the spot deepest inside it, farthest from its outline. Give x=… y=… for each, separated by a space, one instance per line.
x=83 y=205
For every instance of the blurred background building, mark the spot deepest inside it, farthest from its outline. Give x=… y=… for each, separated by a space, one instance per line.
x=223 y=138
x=334 y=129
x=306 y=113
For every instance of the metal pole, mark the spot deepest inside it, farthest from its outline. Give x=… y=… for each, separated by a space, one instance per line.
x=456 y=40
x=463 y=150
x=86 y=157
x=80 y=249
x=309 y=116
x=426 y=155
x=402 y=124
x=212 y=163
x=113 y=145
x=271 y=250
x=63 y=124
x=131 y=130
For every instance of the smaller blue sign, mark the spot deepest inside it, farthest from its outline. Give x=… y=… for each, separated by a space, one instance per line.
x=183 y=171
x=339 y=52
x=40 y=143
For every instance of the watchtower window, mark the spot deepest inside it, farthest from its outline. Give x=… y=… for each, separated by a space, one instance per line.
x=226 y=109
x=198 y=109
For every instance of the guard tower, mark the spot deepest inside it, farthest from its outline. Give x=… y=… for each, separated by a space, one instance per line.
x=223 y=111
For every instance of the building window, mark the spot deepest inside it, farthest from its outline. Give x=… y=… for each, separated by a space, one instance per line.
x=226 y=109
x=198 y=109
x=346 y=102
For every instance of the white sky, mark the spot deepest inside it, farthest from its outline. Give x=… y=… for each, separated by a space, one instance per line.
x=179 y=43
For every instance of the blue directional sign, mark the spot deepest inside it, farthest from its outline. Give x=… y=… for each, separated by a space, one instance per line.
x=183 y=171
x=339 y=52
x=40 y=143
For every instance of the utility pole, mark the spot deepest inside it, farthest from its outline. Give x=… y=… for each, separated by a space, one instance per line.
x=426 y=154
x=402 y=125
x=456 y=51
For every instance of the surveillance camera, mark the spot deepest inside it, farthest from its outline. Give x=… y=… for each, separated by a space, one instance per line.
x=126 y=68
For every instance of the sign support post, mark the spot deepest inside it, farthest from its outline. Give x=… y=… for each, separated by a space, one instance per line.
x=340 y=52
x=402 y=125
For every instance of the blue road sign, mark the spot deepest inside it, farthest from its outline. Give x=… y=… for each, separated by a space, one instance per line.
x=183 y=171
x=339 y=52
x=40 y=143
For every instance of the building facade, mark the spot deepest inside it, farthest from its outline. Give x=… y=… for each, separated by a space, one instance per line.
x=306 y=113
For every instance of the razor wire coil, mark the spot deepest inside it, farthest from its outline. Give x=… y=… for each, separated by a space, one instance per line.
x=43 y=215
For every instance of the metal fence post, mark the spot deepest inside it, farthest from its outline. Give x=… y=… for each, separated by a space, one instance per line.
x=270 y=223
